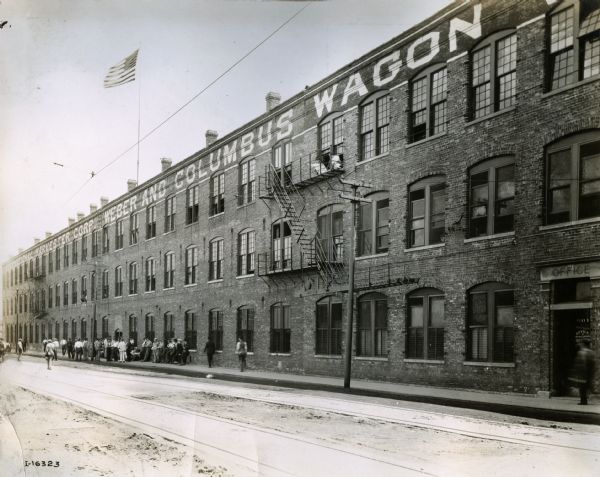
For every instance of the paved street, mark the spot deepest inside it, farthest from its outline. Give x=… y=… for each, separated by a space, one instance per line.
x=261 y=430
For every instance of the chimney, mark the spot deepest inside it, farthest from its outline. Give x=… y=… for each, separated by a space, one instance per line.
x=131 y=184
x=93 y=208
x=211 y=137
x=48 y=234
x=80 y=216
x=36 y=241
x=165 y=163
x=273 y=100
x=103 y=201
x=71 y=221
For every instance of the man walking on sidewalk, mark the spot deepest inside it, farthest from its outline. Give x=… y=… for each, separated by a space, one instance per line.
x=209 y=349
x=583 y=370
x=242 y=350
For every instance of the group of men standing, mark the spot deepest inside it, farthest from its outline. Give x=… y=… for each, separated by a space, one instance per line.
x=170 y=351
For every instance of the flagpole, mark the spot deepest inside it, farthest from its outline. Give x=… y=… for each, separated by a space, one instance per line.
x=137 y=176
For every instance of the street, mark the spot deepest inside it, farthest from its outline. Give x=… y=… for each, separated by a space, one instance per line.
x=105 y=421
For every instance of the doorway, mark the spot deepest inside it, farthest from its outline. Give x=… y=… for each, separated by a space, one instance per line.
x=569 y=327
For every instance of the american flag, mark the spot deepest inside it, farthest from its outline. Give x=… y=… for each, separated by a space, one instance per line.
x=123 y=72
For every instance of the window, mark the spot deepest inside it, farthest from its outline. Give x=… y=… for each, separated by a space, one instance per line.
x=574 y=49
x=428 y=93
x=330 y=233
x=375 y=126
x=329 y=326
x=65 y=293
x=573 y=178
x=247 y=182
x=83 y=329
x=492 y=197
x=57 y=256
x=215 y=253
x=150 y=222
x=93 y=286
x=281 y=245
x=133 y=278
x=493 y=74
x=168 y=326
x=215 y=328
x=74 y=291
x=245 y=326
x=133 y=229
x=133 y=332
x=169 y=270
x=245 y=253
x=50 y=294
x=282 y=163
x=119 y=281
x=50 y=263
x=191 y=204
x=66 y=255
x=373 y=228
x=217 y=190
x=105 y=239
x=150 y=274
x=427 y=204
x=119 y=234
x=490 y=335
x=74 y=254
x=280 y=328
x=170 y=206
x=331 y=136
x=191 y=334
x=149 y=326
x=84 y=249
x=105 y=289
x=191 y=265
x=95 y=242
x=371 y=333
x=425 y=324
x=73 y=329
x=84 y=289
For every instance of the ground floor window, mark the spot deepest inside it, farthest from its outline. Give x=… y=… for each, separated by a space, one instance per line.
x=329 y=326
x=425 y=324
x=245 y=326
x=280 y=328
x=372 y=325
x=215 y=328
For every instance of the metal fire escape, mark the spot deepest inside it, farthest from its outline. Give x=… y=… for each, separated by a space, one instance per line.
x=279 y=185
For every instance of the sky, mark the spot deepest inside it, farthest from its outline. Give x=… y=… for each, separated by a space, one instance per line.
x=54 y=55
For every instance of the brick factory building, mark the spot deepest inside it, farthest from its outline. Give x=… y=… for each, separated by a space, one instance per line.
x=475 y=137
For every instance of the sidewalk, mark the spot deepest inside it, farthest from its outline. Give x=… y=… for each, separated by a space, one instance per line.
x=563 y=409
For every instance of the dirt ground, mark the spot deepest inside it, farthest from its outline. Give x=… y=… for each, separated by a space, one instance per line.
x=84 y=443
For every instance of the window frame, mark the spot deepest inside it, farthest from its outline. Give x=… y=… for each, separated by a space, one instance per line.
x=150 y=222
x=429 y=349
x=192 y=204
x=328 y=338
x=372 y=233
x=133 y=278
x=280 y=336
x=281 y=256
x=429 y=185
x=134 y=228
x=119 y=234
x=217 y=194
x=331 y=128
x=380 y=132
x=246 y=252
x=170 y=211
x=432 y=128
x=118 y=281
x=246 y=317
x=329 y=236
x=191 y=269
x=215 y=327
x=247 y=182
x=375 y=343
x=216 y=249
x=150 y=274
x=169 y=271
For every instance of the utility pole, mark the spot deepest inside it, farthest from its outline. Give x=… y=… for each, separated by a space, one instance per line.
x=354 y=199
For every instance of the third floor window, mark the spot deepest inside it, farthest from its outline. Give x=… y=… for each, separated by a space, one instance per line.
x=150 y=222
x=217 y=191
x=428 y=94
x=375 y=126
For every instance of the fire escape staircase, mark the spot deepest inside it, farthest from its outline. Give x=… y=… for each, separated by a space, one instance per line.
x=279 y=187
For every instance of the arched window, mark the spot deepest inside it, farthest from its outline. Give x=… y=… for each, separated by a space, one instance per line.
x=191 y=334
x=425 y=324
x=573 y=178
x=280 y=329
x=150 y=222
x=74 y=335
x=169 y=326
x=134 y=229
x=191 y=265
x=246 y=253
x=133 y=278
x=281 y=245
x=492 y=197
x=133 y=331
x=215 y=327
x=282 y=163
x=573 y=43
x=105 y=286
x=84 y=329
x=118 y=237
x=428 y=94
x=329 y=326
x=375 y=125
x=245 y=325
x=169 y=273
x=92 y=287
x=427 y=205
x=490 y=321
x=215 y=258
x=170 y=209
x=371 y=333
x=150 y=274
x=105 y=333
x=330 y=232
x=149 y=326
x=105 y=244
x=331 y=135
x=119 y=281
x=373 y=228
x=247 y=182
x=217 y=194
x=192 y=204
x=493 y=74
x=65 y=333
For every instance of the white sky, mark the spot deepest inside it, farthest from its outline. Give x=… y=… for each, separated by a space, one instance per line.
x=54 y=55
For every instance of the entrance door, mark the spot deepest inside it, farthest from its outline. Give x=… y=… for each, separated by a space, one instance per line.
x=568 y=326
